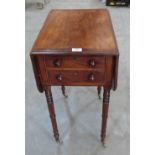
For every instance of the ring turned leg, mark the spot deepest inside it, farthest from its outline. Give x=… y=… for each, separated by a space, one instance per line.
x=51 y=109
x=105 y=107
x=99 y=92
x=63 y=91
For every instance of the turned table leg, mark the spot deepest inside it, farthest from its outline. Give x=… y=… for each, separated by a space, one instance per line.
x=63 y=91
x=51 y=109
x=105 y=107
x=99 y=92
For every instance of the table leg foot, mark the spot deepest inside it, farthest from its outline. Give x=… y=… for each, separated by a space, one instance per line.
x=103 y=142
x=99 y=92
x=63 y=91
x=57 y=138
x=105 y=107
x=51 y=109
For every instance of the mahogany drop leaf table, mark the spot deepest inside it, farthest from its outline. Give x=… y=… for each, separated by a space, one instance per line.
x=76 y=48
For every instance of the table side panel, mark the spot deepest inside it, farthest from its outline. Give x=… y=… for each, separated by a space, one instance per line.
x=109 y=69
x=37 y=74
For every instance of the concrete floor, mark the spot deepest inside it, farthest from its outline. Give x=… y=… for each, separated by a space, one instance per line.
x=79 y=116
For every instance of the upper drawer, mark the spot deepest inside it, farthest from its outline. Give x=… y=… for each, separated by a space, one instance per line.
x=75 y=61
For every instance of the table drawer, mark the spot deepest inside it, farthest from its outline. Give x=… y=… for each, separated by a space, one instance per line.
x=75 y=61
x=75 y=77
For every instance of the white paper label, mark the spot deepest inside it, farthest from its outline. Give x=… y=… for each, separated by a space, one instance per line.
x=76 y=49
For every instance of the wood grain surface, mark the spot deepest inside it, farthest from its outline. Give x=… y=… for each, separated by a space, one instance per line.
x=90 y=30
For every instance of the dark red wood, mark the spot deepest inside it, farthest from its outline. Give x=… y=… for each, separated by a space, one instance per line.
x=105 y=107
x=89 y=29
x=56 y=62
x=76 y=77
x=51 y=109
x=36 y=72
x=115 y=76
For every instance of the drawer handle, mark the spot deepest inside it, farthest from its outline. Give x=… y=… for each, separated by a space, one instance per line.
x=91 y=77
x=59 y=77
x=57 y=63
x=92 y=63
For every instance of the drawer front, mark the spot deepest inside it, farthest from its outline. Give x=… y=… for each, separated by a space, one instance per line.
x=75 y=61
x=70 y=77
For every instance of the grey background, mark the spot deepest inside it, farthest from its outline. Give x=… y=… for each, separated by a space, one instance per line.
x=78 y=116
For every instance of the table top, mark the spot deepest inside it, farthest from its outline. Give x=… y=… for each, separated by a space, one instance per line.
x=77 y=31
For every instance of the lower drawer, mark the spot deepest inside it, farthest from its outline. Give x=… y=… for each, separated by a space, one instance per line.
x=75 y=77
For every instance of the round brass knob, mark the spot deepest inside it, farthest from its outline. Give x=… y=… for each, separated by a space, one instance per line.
x=91 y=77
x=57 y=63
x=59 y=77
x=92 y=63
